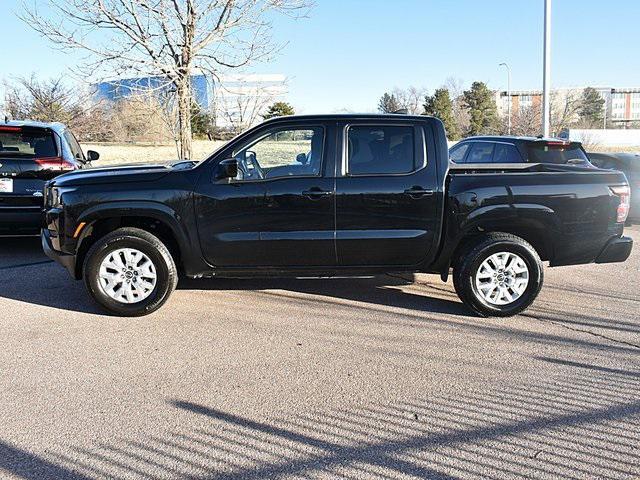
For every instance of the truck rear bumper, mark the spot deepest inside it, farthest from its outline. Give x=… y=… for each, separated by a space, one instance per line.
x=617 y=250
x=66 y=260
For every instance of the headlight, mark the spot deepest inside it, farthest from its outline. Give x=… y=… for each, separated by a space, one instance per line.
x=53 y=199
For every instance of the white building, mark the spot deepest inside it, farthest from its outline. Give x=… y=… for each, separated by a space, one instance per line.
x=239 y=100
x=622 y=105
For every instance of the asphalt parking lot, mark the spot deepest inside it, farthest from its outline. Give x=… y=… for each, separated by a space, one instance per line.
x=349 y=378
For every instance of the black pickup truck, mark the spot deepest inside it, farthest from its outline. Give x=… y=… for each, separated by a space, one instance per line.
x=333 y=195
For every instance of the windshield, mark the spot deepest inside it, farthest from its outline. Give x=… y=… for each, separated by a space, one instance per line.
x=557 y=153
x=27 y=144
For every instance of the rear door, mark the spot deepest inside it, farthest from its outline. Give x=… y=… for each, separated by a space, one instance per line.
x=386 y=206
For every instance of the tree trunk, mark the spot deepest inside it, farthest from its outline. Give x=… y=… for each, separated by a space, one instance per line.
x=183 y=91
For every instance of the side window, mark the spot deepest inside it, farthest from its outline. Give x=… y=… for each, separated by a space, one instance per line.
x=505 y=153
x=76 y=150
x=457 y=152
x=481 y=152
x=280 y=153
x=379 y=150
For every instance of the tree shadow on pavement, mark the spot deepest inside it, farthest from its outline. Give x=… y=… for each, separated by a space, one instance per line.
x=579 y=421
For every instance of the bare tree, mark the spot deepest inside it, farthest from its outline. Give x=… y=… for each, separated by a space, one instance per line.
x=44 y=100
x=525 y=121
x=241 y=110
x=169 y=39
x=410 y=99
x=54 y=100
x=565 y=108
x=460 y=113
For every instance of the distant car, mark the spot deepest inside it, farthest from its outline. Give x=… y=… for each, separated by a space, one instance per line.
x=30 y=154
x=507 y=149
x=629 y=163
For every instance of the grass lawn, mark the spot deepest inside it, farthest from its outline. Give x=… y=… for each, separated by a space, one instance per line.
x=123 y=153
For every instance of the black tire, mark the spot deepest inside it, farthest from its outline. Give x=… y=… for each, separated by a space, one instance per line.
x=472 y=257
x=148 y=244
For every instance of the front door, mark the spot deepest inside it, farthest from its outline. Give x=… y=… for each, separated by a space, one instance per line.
x=280 y=209
x=386 y=203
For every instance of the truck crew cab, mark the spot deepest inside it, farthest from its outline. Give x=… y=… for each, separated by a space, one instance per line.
x=333 y=195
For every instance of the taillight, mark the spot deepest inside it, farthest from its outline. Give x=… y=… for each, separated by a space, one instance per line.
x=624 y=193
x=55 y=163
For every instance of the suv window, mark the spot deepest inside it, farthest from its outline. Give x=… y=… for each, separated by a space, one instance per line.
x=457 y=152
x=27 y=143
x=557 y=153
x=376 y=150
x=506 y=153
x=280 y=153
x=76 y=150
x=481 y=152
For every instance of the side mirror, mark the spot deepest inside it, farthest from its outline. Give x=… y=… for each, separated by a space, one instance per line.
x=227 y=169
x=92 y=155
x=302 y=158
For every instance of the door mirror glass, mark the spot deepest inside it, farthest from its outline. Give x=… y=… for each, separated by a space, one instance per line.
x=92 y=155
x=227 y=169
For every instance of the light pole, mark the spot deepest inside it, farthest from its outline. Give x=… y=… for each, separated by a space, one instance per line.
x=508 y=96
x=546 y=75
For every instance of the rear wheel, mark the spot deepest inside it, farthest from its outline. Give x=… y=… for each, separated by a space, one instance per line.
x=130 y=272
x=498 y=275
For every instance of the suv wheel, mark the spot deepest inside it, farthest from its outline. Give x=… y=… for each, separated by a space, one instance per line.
x=499 y=275
x=130 y=272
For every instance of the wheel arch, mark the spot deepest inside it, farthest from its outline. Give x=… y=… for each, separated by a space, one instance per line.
x=537 y=230
x=157 y=219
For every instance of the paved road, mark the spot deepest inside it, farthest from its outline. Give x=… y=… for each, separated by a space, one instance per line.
x=376 y=378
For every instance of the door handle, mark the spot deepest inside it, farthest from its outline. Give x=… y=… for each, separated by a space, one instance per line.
x=418 y=192
x=316 y=193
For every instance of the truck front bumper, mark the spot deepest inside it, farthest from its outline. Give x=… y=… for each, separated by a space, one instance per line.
x=66 y=260
x=617 y=249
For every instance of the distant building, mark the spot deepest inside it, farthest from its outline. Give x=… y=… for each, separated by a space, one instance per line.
x=622 y=105
x=235 y=100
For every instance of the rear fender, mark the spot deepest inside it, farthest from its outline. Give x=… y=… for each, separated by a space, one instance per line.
x=537 y=224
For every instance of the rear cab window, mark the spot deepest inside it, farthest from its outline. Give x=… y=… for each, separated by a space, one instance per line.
x=559 y=153
x=27 y=143
x=383 y=149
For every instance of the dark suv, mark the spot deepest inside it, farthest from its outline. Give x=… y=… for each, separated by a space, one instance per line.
x=500 y=150
x=30 y=154
x=629 y=164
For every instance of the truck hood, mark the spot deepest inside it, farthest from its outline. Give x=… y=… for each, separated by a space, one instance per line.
x=126 y=173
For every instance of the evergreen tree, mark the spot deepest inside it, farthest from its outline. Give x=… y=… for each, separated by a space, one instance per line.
x=483 y=112
x=201 y=121
x=439 y=105
x=591 y=107
x=388 y=104
x=279 y=109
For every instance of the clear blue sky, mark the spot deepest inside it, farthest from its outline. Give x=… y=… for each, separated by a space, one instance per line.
x=348 y=52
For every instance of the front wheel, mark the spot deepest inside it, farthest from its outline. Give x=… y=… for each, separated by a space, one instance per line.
x=130 y=272
x=498 y=275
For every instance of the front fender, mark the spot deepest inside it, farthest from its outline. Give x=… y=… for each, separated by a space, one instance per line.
x=137 y=209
